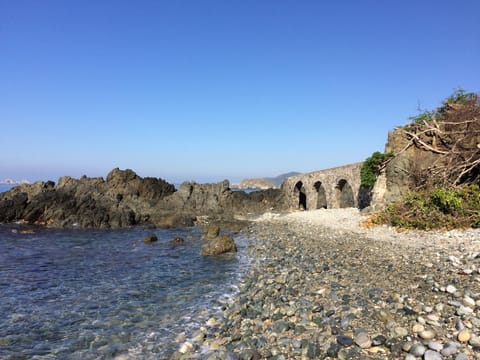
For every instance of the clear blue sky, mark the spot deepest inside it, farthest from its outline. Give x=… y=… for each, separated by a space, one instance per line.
x=211 y=89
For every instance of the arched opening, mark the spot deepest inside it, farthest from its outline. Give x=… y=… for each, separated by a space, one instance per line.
x=345 y=194
x=321 y=195
x=302 y=196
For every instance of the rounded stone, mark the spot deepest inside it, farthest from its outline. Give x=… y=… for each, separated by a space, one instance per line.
x=464 y=310
x=427 y=334
x=427 y=309
x=468 y=301
x=463 y=336
x=400 y=332
x=406 y=346
x=449 y=350
x=435 y=345
x=363 y=340
x=345 y=341
x=461 y=356
x=417 y=350
x=379 y=340
x=451 y=289
x=421 y=320
x=211 y=321
x=186 y=348
x=418 y=328
x=474 y=341
x=459 y=325
x=432 y=317
x=432 y=355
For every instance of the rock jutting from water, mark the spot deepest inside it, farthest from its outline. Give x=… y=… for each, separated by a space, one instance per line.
x=322 y=293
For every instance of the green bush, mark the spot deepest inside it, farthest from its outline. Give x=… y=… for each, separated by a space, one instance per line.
x=439 y=208
x=423 y=117
x=459 y=96
x=371 y=168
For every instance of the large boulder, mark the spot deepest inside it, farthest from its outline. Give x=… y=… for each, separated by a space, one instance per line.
x=221 y=244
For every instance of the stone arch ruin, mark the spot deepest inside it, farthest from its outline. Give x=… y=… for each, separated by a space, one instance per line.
x=344 y=194
x=331 y=188
x=301 y=194
x=321 y=195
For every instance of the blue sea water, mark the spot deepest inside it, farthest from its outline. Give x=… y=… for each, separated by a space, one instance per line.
x=5 y=187
x=85 y=294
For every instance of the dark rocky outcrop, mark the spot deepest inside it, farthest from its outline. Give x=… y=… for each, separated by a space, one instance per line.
x=125 y=199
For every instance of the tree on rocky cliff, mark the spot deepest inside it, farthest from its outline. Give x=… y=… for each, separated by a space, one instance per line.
x=452 y=133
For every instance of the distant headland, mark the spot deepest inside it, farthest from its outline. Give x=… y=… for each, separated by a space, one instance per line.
x=14 y=182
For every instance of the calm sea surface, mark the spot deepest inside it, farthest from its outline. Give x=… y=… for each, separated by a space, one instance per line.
x=81 y=294
x=5 y=187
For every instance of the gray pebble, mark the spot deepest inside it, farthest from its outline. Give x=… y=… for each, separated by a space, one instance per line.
x=475 y=341
x=230 y=356
x=435 y=345
x=432 y=355
x=449 y=350
x=363 y=340
x=417 y=350
x=379 y=340
x=344 y=340
x=459 y=324
x=451 y=289
x=464 y=310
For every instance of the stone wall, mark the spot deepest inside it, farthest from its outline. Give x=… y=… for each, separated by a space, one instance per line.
x=331 y=188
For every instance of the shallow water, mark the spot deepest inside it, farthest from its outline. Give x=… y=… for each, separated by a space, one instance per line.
x=96 y=294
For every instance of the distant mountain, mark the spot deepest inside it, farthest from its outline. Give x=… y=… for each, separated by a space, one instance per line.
x=278 y=180
x=264 y=183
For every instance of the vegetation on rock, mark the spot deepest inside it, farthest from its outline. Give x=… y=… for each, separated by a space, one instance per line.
x=372 y=167
x=445 y=194
x=452 y=133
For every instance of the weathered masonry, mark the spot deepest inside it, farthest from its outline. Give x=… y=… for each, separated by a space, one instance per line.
x=331 y=188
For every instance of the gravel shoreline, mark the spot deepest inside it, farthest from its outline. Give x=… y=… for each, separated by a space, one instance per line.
x=324 y=287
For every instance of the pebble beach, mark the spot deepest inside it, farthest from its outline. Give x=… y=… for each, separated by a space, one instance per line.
x=324 y=286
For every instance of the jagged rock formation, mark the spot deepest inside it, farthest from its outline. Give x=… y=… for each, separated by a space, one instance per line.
x=125 y=199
